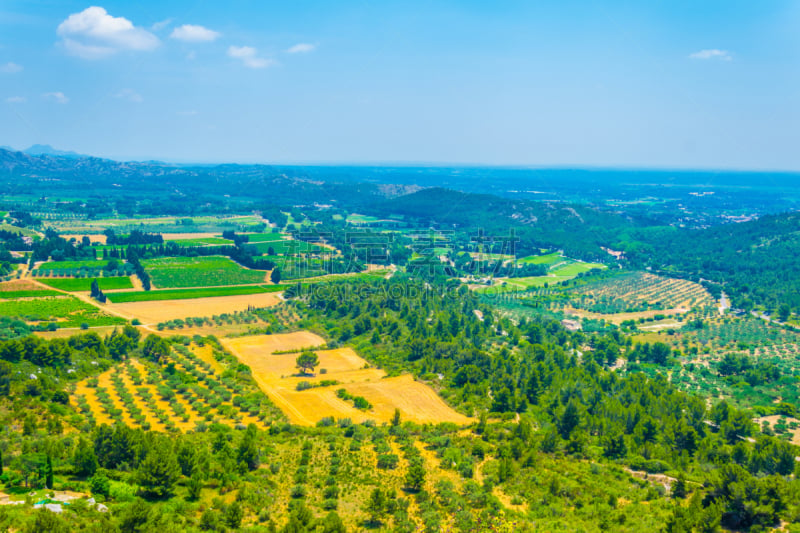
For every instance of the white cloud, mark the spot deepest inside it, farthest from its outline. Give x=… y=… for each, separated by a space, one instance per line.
x=10 y=68
x=129 y=95
x=161 y=24
x=301 y=48
x=16 y=99
x=94 y=34
x=194 y=34
x=722 y=55
x=87 y=51
x=56 y=96
x=247 y=54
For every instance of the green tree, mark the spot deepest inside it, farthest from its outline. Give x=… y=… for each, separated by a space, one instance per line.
x=159 y=471
x=614 y=446
x=187 y=457
x=570 y=419
x=84 y=460
x=46 y=521
x=376 y=506
x=679 y=487
x=415 y=476
x=275 y=276
x=95 y=289
x=659 y=353
x=155 y=348
x=332 y=523
x=784 y=311
x=234 y=515
x=306 y=362
x=248 y=448
x=48 y=473
x=6 y=371
x=194 y=487
x=133 y=517
x=100 y=484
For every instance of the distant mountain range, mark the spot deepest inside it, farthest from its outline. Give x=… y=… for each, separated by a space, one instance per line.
x=45 y=149
x=51 y=174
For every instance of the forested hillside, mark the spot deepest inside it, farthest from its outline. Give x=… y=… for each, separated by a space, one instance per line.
x=755 y=262
x=579 y=230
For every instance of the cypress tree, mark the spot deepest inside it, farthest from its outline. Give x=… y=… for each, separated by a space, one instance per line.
x=48 y=479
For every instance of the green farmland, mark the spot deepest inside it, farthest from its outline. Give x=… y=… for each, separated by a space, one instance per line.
x=265 y=237
x=66 y=311
x=64 y=265
x=546 y=259
x=210 y=271
x=85 y=284
x=561 y=273
x=284 y=247
x=203 y=241
x=186 y=294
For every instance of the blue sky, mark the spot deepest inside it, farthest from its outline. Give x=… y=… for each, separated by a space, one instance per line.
x=569 y=83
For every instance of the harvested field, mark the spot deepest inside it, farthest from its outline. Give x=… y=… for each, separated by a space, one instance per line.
x=262 y=345
x=160 y=311
x=101 y=239
x=20 y=285
x=277 y=375
x=417 y=402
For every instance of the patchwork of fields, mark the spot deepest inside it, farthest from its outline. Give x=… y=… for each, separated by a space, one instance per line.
x=278 y=378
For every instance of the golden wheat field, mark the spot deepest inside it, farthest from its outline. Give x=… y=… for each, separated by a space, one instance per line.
x=278 y=377
x=165 y=310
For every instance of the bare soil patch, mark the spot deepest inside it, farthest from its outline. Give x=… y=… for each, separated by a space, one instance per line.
x=21 y=285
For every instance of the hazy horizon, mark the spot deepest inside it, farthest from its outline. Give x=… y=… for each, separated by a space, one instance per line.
x=573 y=84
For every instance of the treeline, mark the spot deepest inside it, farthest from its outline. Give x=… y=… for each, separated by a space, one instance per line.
x=133 y=258
x=59 y=249
x=13 y=241
x=135 y=237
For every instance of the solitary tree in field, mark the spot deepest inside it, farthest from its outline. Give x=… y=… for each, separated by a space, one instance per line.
x=307 y=361
x=275 y=277
x=784 y=311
